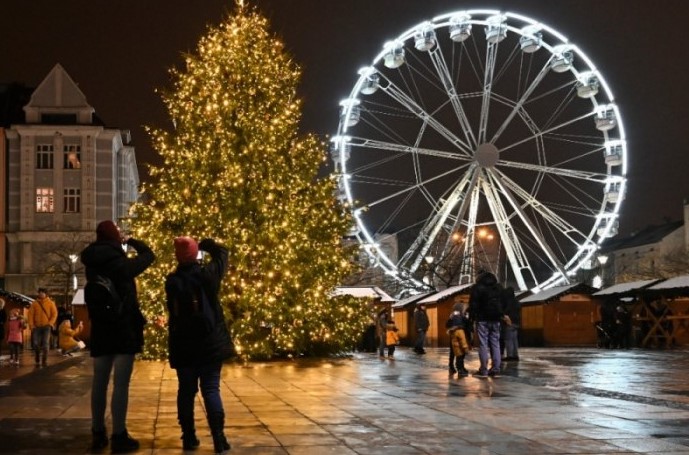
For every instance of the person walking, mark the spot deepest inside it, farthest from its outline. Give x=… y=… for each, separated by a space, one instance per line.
x=459 y=346
x=114 y=342
x=42 y=318
x=511 y=323
x=15 y=335
x=421 y=323
x=199 y=340
x=381 y=329
x=392 y=338
x=485 y=307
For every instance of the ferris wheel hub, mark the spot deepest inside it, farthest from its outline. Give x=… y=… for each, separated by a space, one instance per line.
x=487 y=155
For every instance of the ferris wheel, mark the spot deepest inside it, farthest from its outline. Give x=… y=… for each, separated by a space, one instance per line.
x=482 y=120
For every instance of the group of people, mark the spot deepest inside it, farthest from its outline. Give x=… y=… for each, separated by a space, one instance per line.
x=46 y=325
x=199 y=339
x=493 y=315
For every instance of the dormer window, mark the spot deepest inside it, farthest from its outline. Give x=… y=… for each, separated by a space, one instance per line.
x=72 y=156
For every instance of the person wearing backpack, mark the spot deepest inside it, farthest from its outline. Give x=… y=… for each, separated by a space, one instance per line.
x=116 y=336
x=199 y=340
x=486 y=309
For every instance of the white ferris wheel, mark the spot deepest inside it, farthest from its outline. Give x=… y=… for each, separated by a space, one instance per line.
x=482 y=120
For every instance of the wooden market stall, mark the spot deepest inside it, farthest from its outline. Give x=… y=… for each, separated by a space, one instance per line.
x=438 y=307
x=559 y=316
x=378 y=299
x=663 y=313
x=22 y=303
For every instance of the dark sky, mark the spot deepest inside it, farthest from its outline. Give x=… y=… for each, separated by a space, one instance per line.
x=119 y=52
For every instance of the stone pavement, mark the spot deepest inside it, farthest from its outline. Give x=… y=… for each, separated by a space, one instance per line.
x=554 y=401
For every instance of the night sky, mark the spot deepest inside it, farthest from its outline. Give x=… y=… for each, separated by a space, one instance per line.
x=119 y=52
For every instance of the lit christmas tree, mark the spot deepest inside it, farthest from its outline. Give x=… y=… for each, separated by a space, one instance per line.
x=237 y=170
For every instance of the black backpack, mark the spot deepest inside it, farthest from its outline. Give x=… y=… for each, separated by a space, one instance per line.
x=191 y=311
x=103 y=302
x=492 y=305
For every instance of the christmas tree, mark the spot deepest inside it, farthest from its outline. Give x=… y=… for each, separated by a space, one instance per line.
x=236 y=169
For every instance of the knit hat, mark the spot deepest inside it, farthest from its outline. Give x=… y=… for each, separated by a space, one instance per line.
x=186 y=249
x=457 y=307
x=108 y=231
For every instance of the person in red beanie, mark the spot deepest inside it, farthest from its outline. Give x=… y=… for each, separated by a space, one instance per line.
x=199 y=340
x=114 y=344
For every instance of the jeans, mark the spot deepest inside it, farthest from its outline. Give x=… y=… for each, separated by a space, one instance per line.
x=40 y=337
x=488 y=341
x=102 y=367
x=511 y=341
x=208 y=377
x=420 y=340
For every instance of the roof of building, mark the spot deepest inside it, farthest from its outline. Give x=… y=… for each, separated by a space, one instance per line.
x=676 y=283
x=373 y=292
x=446 y=293
x=16 y=297
x=624 y=288
x=557 y=292
x=410 y=300
x=646 y=236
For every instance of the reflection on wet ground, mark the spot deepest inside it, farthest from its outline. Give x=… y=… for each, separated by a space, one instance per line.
x=554 y=401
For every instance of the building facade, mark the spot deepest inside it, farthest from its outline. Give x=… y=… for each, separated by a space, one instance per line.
x=65 y=173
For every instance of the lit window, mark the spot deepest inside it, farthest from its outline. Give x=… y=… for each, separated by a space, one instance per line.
x=72 y=156
x=44 y=156
x=72 y=200
x=44 y=200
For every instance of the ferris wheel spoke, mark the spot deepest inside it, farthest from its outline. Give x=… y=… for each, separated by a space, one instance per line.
x=513 y=249
x=405 y=149
x=444 y=74
x=405 y=100
x=549 y=130
x=555 y=262
x=552 y=170
x=416 y=253
x=491 y=56
x=525 y=96
x=563 y=226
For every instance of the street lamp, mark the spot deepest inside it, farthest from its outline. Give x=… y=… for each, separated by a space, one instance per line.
x=72 y=270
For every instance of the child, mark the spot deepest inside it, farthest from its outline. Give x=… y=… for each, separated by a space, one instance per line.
x=392 y=339
x=456 y=327
x=16 y=325
x=67 y=335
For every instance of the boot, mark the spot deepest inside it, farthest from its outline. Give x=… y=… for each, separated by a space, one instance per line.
x=123 y=443
x=189 y=439
x=216 y=420
x=460 y=367
x=99 y=440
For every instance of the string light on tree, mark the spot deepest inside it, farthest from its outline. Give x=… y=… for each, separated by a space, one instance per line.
x=236 y=169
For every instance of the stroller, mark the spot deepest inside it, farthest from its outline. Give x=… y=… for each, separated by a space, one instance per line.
x=606 y=338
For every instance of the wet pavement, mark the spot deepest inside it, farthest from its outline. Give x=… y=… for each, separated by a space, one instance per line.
x=554 y=401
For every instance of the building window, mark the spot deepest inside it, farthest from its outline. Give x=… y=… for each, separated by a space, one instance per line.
x=44 y=156
x=72 y=156
x=72 y=200
x=44 y=200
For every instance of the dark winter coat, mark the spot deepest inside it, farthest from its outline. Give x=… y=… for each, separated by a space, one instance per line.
x=109 y=259
x=485 y=302
x=512 y=307
x=421 y=321
x=187 y=347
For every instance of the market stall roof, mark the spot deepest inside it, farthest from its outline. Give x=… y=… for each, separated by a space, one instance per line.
x=449 y=292
x=372 y=292
x=411 y=300
x=78 y=298
x=678 y=283
x=16 y=297
x=625 y=288
x=557 y=292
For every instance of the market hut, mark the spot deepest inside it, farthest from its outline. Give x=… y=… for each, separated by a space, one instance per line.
x=438 y=307
x=378 y=299
x=402 y=313
x=560 y=316
x=15 y=300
